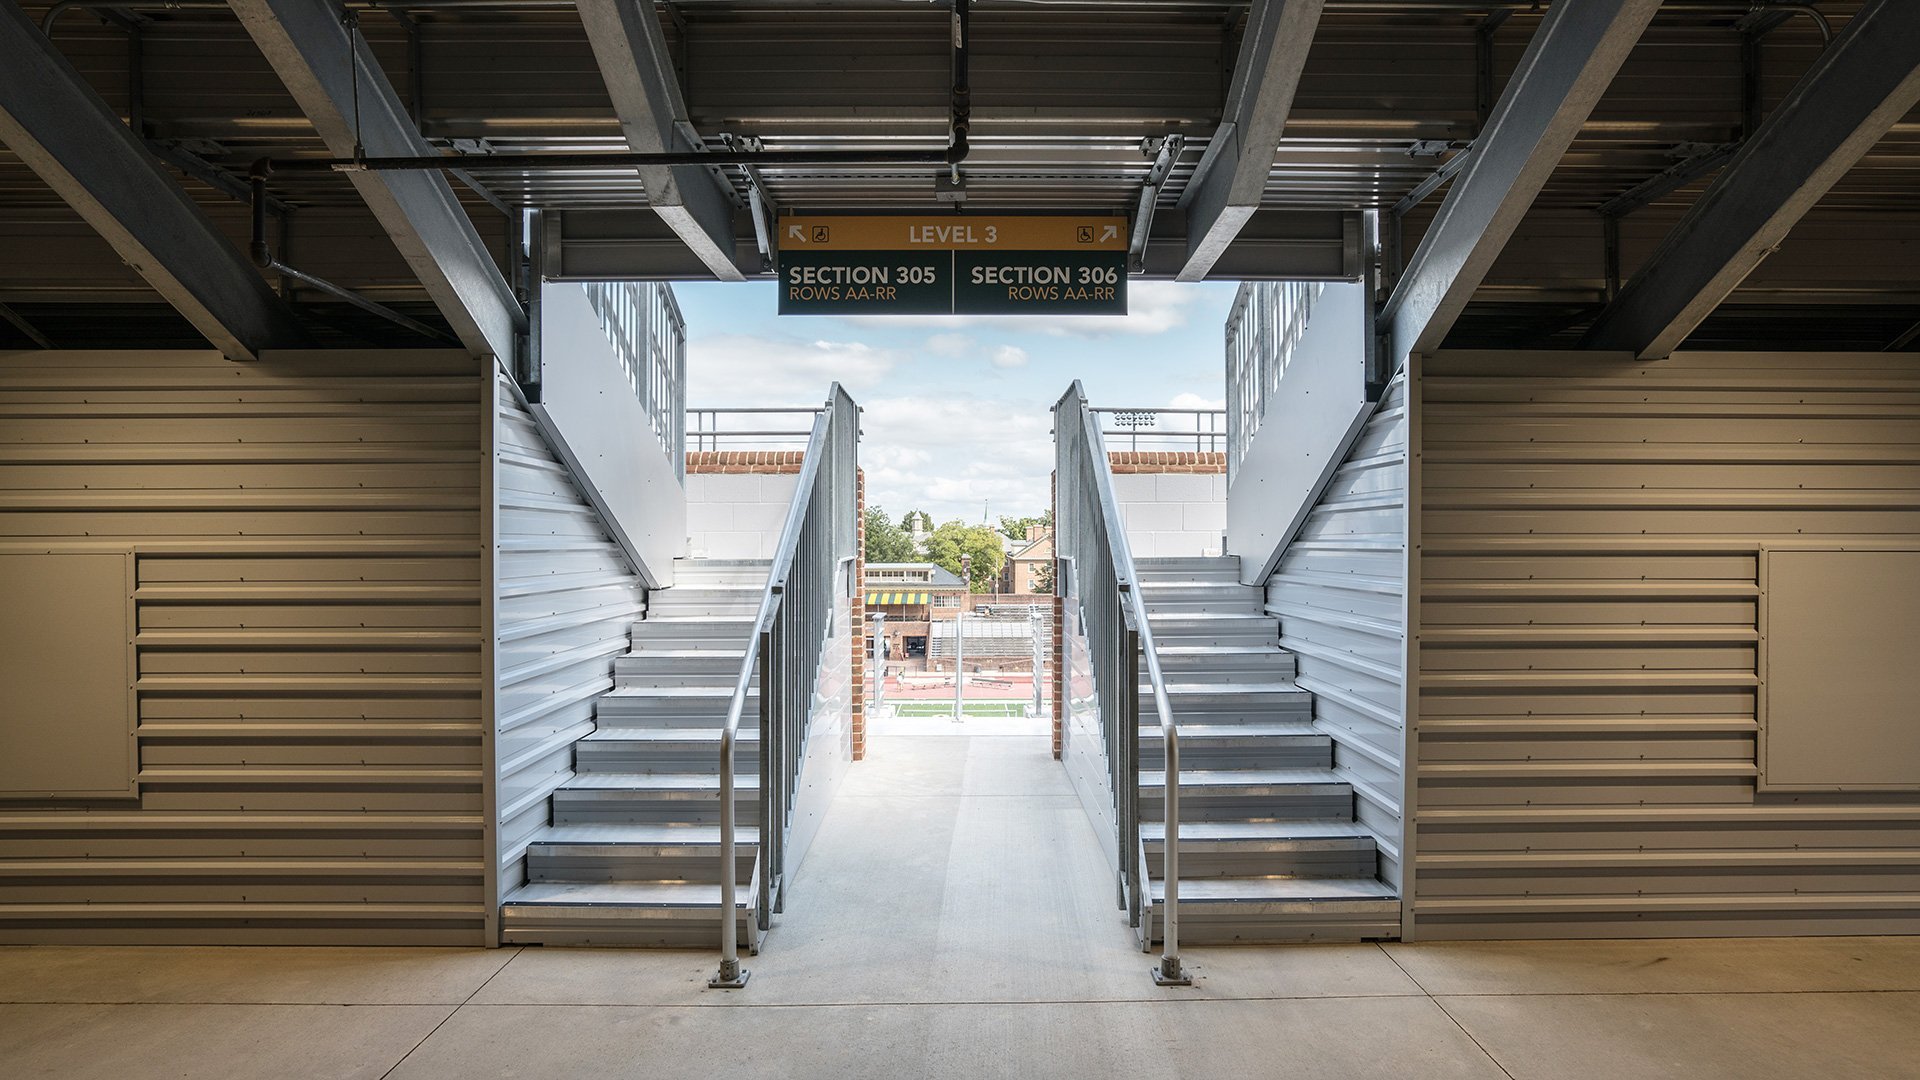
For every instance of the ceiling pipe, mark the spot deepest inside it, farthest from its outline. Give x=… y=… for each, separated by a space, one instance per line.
x=1518 y=7
x=566 y=162
x=261 y=252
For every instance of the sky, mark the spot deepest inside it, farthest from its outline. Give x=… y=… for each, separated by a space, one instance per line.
x=957 y=419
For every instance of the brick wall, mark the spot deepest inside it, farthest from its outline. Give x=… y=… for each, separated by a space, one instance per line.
x=739 y=462
x=1124 y=462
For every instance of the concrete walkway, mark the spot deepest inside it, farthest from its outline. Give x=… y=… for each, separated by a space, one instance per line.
x=955 y=919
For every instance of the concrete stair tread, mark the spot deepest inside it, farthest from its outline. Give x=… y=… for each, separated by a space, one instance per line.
x=1278 y=729
x=1224 y=687
x=1192 y=779
x=644 y=782
x=722 y=693
x=681 y=652
x=1256 y=831
x=637 y=894
x=1220 y=650
x=659 y=835
x=1288 y=889
x=669 y=734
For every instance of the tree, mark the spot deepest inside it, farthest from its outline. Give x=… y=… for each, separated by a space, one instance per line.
x=1015 y=528
x=1043 y=579
x=957 y=538
x=886 y=542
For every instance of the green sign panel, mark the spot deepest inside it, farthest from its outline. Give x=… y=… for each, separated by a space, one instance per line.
x=967 y=265
x=866 y=282
x=1040 y=283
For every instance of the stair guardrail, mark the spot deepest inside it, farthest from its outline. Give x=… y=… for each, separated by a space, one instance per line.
x=1091 y=539
x=792 y=626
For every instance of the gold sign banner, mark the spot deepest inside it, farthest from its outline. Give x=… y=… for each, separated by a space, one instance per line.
x=953 y=232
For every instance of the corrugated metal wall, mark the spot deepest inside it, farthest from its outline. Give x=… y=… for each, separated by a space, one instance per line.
x=1340 y=593
x=307 y=534
x=567 y=601
x=1590 y=607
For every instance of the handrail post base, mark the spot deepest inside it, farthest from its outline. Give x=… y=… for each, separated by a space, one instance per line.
x=1170 y=973
x=730 y=977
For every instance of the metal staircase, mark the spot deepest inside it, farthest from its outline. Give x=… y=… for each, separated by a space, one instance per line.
x=1269 y=848
x=633 y=851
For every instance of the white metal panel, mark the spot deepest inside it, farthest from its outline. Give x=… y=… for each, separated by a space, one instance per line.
x=596 y=425
x=304 y=533
x=566 y=603
x=1591 y=609
x=1338 y=593
x=1307 y=420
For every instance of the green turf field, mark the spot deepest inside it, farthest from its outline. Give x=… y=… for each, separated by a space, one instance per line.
x=973 y=708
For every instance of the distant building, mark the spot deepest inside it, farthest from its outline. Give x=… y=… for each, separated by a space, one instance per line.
x=1029 y=565
x=919 y=527
x=911 y=596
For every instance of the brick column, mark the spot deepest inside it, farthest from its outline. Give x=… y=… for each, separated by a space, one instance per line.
x=1058 y=658
x=859 y=615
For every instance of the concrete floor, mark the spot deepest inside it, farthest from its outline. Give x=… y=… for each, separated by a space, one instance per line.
x=955 y=919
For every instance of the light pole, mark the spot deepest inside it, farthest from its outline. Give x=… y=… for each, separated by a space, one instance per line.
x=960 y=638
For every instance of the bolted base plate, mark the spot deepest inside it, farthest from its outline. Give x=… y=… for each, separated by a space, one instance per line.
x=718 y=983
x=1161 y=978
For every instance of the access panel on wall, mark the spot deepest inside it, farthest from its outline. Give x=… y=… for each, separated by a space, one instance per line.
x=953 y=265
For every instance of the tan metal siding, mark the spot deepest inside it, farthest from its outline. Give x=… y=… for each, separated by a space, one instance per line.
x=1339 y=593
x=565 y=606
x=1592 y=607
x=306 y=536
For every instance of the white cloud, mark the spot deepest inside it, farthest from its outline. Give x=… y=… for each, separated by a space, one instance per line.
x=738 y=370
x=1195 y=401
x=1153 y=307
x=1009 y=356
x=950 y=344
x=955 y=456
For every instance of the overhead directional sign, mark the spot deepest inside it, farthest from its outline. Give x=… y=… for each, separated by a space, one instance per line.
x=953 y=264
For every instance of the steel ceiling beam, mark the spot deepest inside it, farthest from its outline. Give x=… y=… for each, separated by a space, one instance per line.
x=77 y=144
x=1231 y=178
x=632 y=53
x=341 y=88
x=1574 y=54
x=1857 y=89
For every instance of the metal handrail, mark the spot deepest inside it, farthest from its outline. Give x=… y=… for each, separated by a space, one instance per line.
x=706 y=433
x=1126 y=577
x=1209 y=432
x=758 y=654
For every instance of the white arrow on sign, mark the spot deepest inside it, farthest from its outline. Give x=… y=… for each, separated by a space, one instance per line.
x=1111 y=232
x=793 y=233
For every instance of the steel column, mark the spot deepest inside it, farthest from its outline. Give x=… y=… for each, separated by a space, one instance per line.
x=1864 y=82
x=65 y=132
x=341 y=88
x=632 y=53
x=1232 y=176
x=1574 y=54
